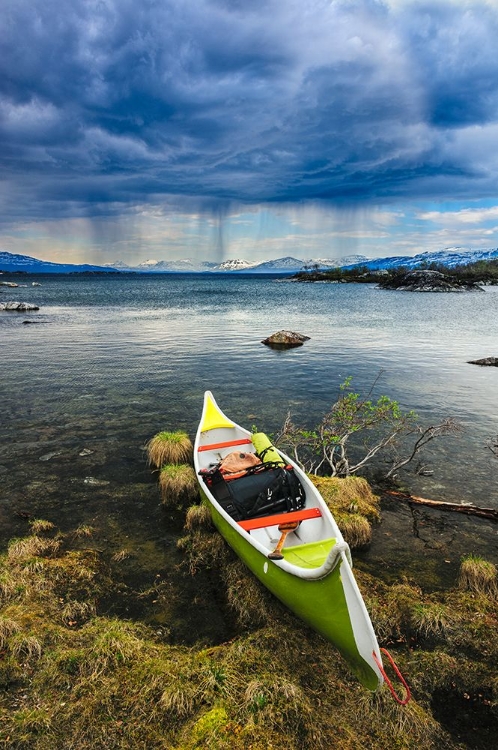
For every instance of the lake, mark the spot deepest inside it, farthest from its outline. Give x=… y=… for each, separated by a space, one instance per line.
x=114 y=359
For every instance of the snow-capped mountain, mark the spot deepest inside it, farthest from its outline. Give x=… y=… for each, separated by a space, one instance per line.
x=185 y=265
x=235 y=264
x=118 y=265
x=450 y=257
x=13 y=262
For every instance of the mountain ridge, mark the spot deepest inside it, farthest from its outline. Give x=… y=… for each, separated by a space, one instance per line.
x=452 y=256
x=11 y=262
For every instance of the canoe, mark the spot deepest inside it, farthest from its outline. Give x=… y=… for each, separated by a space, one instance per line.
x=314 y=578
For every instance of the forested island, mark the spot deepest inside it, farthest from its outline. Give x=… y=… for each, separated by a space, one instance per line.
x=481 y=272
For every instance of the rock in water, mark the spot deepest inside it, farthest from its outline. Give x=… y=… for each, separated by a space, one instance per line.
x=486 y=362
x=285 y=340
x=17 y=306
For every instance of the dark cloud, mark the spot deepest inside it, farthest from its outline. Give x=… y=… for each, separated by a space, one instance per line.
x=110 y=102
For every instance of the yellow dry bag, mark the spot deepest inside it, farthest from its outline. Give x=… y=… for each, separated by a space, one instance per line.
x=265 y=450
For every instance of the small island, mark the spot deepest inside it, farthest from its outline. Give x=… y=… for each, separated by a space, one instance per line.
x=428 y=281
x=432 y=277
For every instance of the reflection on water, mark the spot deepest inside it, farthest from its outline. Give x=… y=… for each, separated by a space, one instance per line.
x=119 y=358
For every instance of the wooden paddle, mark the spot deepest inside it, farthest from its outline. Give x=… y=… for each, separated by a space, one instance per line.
x=284 y=528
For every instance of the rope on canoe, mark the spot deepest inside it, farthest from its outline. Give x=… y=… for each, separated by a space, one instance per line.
x=404 y=701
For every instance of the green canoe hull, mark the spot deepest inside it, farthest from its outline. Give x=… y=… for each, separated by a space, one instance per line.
x=321 y=603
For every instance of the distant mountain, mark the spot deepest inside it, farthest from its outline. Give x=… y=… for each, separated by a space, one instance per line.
x=288 y=264
x=279 y=265
x=12 y=262
x=185 y=265
x=118 y=265
x=450 y=257
x=235 y=264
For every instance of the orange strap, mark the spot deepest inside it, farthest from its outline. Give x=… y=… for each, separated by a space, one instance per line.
x=388 y=681
x=294 y=515
x=215 y=446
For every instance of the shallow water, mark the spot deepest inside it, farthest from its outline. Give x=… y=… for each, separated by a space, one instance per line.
x=113 y=360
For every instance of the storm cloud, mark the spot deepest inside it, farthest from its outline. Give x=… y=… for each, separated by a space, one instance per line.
x=106 y=104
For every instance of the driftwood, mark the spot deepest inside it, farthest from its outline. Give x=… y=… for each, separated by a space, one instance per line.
x=470 y=510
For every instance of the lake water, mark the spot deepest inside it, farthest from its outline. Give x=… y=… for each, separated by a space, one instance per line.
x=113 y=360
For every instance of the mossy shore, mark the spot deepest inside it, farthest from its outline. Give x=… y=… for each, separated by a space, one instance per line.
x=73 y=676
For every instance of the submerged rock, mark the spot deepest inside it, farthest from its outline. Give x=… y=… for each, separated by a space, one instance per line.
x=17 y=306
x=285 y=339
x=93 y=482
x=49 y=456
x=428 y=281
x=485 y=362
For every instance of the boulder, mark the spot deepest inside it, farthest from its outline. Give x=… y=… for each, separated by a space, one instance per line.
x=486 y=362
x=428 y=281
x=18 y=306
x=285 y=340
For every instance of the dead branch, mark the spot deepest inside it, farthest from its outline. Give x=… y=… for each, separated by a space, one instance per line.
x=471 y=510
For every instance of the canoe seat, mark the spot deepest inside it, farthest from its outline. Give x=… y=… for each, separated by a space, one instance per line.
x=311 y=555
x=275 y=520
x=226 y=444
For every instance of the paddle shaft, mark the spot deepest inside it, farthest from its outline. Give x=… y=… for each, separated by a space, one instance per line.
x=284 y=528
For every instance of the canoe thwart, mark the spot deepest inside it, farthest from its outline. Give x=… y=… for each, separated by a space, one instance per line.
x=280 y=518
x=226 y=444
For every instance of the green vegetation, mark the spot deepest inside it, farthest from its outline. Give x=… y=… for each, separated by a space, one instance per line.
x=353 y=505
x=74 y=677
x=169 y=448
x=325 y=449
x=178 y=485
x=482 y=271
x=478 y=575
x=358 y=275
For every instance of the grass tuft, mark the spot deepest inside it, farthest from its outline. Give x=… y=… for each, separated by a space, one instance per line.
x=8 y=627
x=178 y=485
x=348 y=495
x=250 y=601
x=32 y=720
x=355 y=529
x=204 y=550
x=122 y=554
x=32 y=546
x=115 y=643
x=39 y=526
x=83 y=531
x=478 y=575
x=432 y=619
x=76 y=613
x=25 y=647
x=169 y=448
x=198 y=517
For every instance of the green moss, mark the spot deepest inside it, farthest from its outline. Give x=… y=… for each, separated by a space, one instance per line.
x=112 y=683
x=206 y=729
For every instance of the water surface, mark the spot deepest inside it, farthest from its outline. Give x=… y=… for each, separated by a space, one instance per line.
x=113 y=360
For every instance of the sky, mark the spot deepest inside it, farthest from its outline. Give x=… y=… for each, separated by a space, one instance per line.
x=253 y=129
